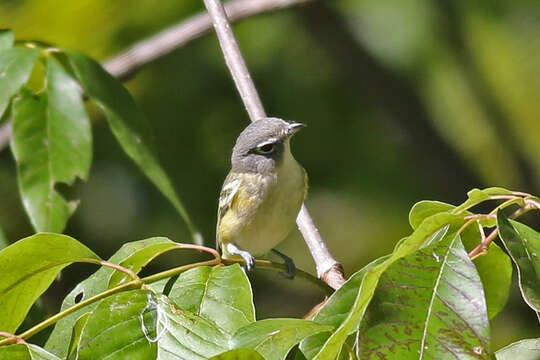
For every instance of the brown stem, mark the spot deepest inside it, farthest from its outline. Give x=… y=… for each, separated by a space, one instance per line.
x=126 y=271
x=328 y=269
x=12 y=338
x=482 y=248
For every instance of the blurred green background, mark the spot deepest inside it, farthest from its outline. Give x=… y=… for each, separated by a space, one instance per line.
x=405 y=101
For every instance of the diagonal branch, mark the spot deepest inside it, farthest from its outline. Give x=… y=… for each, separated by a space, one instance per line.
x=127 y=63
x=163 y=43
x=328 y=269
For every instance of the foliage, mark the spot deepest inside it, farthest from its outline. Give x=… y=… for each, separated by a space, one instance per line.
x=432 y=297
x=51 y=132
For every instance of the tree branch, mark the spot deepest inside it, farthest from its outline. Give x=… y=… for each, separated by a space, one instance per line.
x=328 y=269
x=127 y=63
x=163 y=43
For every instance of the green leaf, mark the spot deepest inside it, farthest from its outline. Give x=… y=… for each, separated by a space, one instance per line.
x=238 y=354
x=15 y=68
x=274 y=338
x=184 y=335
x=336 y=308
x=96 y=283
x=528 y=349
x=523 y=245
x=135 y=262
x=221 y=295
x=494 y=268
x=51 y=142
x=6 y=39
x=430 y=229
x=476 y=196
x=114 y=330
x=426 y=208
x=128 y=124
x=76 y=336
x=25 y=352
x=31 y=265
x=429 y=304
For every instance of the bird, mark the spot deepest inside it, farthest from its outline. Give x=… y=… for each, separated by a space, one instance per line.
x=262 y=194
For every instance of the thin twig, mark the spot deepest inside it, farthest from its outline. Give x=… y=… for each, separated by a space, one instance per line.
x=482 y=248
x=128 y=62
x=142 y=283
x=328 y=269
x=12 y=338
x=163 y=43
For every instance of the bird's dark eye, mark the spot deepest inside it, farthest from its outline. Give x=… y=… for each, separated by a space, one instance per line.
x=266 y=148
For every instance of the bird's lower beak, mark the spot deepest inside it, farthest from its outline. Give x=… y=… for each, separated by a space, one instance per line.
x=294 y=127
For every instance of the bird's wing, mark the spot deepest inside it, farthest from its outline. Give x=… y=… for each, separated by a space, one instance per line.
x=226 y=197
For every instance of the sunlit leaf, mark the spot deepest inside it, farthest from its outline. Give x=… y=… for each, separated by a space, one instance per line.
x=528 y=349
x=115 y=330
x=51 y=142
x=15 y=68
x=424 y=209
x=523 y=245
x=98 y=282
x=128 y=124
x=221 y=295
x=238 y=354
x=181 y=334
x=476 y=196
x=25 y=352
x=429 y=304
x=273 y=338
x=494 y=268
x=153 y=248
x=426 y=231
x=76 y=336
x=336 y=308
x=30 y=265
x=6 y=39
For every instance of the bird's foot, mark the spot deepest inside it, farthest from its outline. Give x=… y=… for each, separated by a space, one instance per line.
x=248 y=258
x=291 y=268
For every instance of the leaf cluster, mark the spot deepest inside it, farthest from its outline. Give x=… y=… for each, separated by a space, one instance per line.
x=431 y=298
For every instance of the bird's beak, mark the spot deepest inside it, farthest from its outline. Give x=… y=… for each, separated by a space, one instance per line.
x=294 y=127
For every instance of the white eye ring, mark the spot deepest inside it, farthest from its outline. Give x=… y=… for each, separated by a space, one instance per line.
x=266 y=148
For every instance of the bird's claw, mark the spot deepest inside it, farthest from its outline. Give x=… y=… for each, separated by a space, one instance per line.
x=291 y=268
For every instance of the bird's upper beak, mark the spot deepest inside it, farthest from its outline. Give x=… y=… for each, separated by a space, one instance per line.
x=294 y=127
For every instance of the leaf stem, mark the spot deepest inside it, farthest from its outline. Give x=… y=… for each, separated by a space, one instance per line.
x=141 y=283
x=482 y=248
x=120 y=268
x=133 y=284
x=12 y=338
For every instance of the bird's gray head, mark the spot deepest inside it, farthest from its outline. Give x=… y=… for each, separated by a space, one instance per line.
x=260 y=147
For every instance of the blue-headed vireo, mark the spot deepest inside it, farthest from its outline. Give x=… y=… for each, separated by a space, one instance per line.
x=262 y=195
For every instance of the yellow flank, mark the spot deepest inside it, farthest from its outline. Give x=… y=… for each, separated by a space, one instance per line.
x=263 y=209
